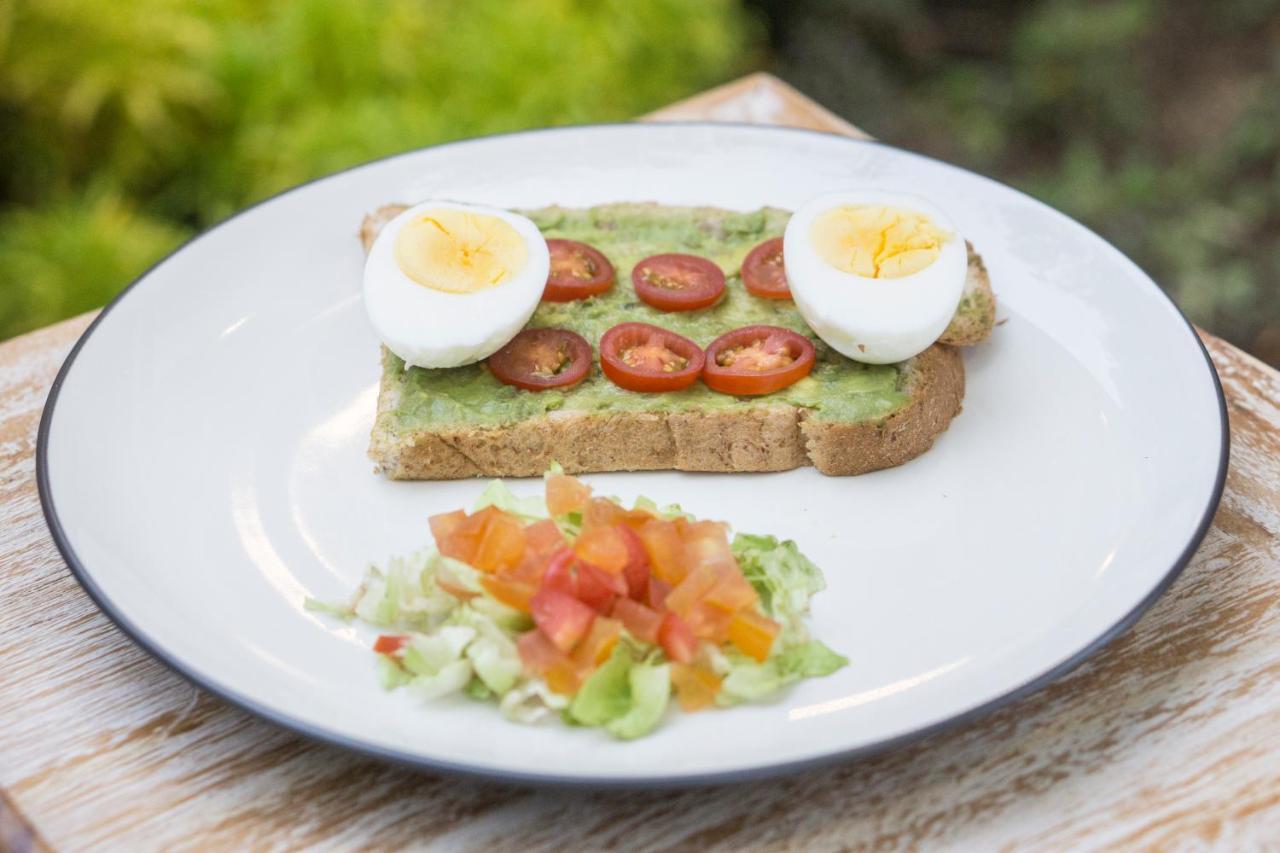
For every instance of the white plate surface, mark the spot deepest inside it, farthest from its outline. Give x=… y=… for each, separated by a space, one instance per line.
x=203 y=465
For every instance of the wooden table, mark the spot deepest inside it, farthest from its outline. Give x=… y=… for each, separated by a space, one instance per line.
x=1170 y=735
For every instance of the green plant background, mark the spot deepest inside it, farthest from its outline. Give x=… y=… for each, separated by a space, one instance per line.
x=125 y=127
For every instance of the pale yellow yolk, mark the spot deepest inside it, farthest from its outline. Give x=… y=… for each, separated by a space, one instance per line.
x=459 y=252
x=875 y=241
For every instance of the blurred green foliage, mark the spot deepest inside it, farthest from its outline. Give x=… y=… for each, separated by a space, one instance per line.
x=1156 y=122
x=127 y=126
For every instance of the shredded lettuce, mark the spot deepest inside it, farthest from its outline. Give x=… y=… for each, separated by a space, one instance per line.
x=784 y=579
x=745 y=680
x=492 y=652
x=405 y=595
x=342 y=611
x=625 y=696
x=496 y=494
x=531 y=701
x=391 y=674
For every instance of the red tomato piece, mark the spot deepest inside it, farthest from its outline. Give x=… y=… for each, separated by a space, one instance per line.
x=763 y=272
x=501 y=543
x=512 y=592
x=446 y=524
x=732 y=591
x=675 y=282
x=560 y=574
x=706 y=543
x=645 y=358
x=636 y=571
x=663 y=544
x=598 y=644
x=578 y=270
x=696 y=686
x=708 y=622
x=757 y=360
x=538 y=359
x=389 y=644
x=640 y=621
x=597 y=588
x=540 y=657
x=603 y=547
x=566 y=494
x=656 y=595
x=690 y=591
x=752 y=633
x=677 y=639
x=563 y=618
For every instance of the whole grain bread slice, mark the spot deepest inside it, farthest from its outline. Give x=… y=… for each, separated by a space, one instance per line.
x=751 y=438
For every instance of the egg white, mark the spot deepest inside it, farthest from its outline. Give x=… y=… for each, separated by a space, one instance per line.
x=874 y=320
x=430 y=328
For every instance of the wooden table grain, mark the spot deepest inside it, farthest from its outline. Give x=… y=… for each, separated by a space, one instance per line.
x=1168 y=738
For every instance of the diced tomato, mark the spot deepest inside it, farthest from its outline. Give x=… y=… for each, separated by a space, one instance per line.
x=541 y=657
x=752 y=633
x=676 y=638
x=640 y=621
x=662 y=542
x=696 y=687
x=566 y=494
x=543 y=537
x=560 y=574
x=602 y=512
x=732 y=591
x=389 y=644
x=603 y=547
x=561 y=617
x=510 y=591
x=445 y=524
x=502 y=541
x=597 y=589
x=690 y=591
x=598 y=644
x=706 y=543
x=656 y=596
x=637 y=569
x=708 y=622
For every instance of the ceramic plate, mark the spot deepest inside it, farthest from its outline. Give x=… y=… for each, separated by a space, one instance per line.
x=202 y=465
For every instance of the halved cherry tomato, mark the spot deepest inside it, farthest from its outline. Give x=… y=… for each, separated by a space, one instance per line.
x=389 y=644
x=752 y=633
x=541 y=657
x=696 y=687
x=562 y=618
x=757 y=360
x=641 y=357
x=566 y=494
x=763 y=272
x=677 y=639
x=678 y=282
x=577 y=271
x=642 y=622
x=637 y=568
x=598 y=644
x=538 y=359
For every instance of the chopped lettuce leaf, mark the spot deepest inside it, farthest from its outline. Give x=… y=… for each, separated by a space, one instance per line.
x=391 y=674
x=450 y=679
x=478 y=690
x=748 y=681
x=496 y=494
x=431 y=653
x=508 y=618
x=650 y=691
x=784 y=578
x=492 y=653
x=809 y=660
x=531 y=701
x=668 y=511
x=405 y=595
x=606 y=695
x=343 y=611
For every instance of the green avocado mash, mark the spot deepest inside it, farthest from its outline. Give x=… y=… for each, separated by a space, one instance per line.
x=838 y=389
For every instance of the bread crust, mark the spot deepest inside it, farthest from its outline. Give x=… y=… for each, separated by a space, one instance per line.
x=764 y=438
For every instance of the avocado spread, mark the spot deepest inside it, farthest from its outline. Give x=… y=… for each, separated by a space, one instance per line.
x=838 y=389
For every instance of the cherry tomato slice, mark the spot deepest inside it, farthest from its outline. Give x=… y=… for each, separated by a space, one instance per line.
x=757 y=360
x=763 y=272
x=678 y=282
x=538 y=359
x=641 y=357
x=577 y=271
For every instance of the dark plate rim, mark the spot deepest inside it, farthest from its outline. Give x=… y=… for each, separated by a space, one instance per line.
x=418 y=762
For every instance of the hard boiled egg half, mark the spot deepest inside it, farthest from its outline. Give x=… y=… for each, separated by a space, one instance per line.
x=447 y=284
x=876 y=274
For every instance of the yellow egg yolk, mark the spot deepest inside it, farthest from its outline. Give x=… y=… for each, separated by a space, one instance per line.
x=458 y=251
x=875 y=241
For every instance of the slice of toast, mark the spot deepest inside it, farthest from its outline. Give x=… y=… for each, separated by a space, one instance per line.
x=428 y=428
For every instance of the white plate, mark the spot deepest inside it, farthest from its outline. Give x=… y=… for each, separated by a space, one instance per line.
x=202 y=465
